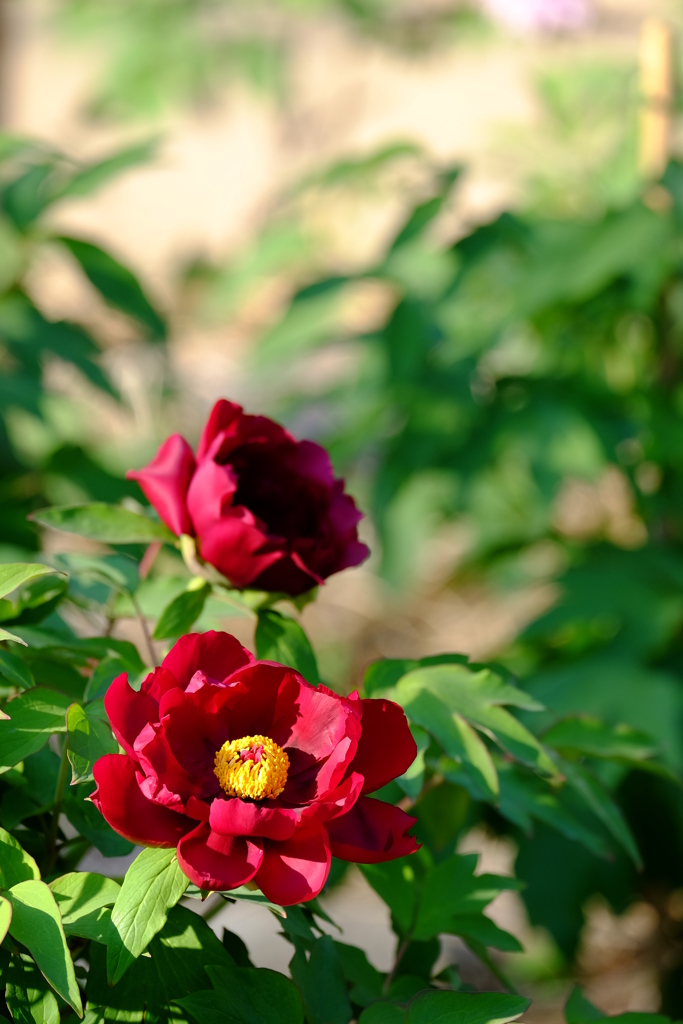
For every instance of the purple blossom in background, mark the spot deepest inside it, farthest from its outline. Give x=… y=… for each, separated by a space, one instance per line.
x=532 y=16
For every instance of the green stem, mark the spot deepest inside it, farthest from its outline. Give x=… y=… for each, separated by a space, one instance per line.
x=59 y=797
x=400 y=953
x=145 y=630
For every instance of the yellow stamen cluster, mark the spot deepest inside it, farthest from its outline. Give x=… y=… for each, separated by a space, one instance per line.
x=253 y=767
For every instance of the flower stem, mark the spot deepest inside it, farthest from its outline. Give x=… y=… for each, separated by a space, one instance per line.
x=145 y=631
x=59 y=797
x=400 y=953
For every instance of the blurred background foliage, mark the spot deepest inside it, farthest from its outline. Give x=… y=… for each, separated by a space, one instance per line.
x=487 y=334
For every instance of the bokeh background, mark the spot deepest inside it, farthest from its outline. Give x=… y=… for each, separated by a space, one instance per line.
x=444 y=239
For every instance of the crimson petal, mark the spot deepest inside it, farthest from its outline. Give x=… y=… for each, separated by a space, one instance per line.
x=295 y=870
x=128 y=811
x=165 y=481
x=371 y=832
x=386 y=748
x=215 y=653
x=217 y=862
x=128 y=712
x=235 y=817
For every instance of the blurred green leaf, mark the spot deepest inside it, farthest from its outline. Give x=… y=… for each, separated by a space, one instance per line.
x=13 y=575
x=109 y=524
x=320 y=979
x=247 y=996
x=117 y=285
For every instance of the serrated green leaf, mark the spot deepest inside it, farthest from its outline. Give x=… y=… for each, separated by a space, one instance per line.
x=33 y=716
x=438 y=692
x=153 y=884
x=281 y=639
x=88 y=738
x=37 y=924
x=30 y=999
x=179 y=616
x=117 y=285
x=16 y=865
x=14 y=574
x=110 y=524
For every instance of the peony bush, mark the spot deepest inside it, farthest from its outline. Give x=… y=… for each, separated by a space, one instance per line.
x=227 y=774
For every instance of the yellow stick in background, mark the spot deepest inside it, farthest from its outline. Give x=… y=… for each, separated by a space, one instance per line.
x=656 y=87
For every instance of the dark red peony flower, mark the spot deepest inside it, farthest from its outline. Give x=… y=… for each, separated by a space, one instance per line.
x=266 y=510
x=254 y=774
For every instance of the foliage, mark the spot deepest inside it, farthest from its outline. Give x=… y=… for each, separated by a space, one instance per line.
x=43 y=454
x=56 y=918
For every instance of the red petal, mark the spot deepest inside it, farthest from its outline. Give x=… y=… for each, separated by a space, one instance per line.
x=210 y=494
x=372 y=831
x=216 y=654
x=338 y=802
x=224 y=417
x=128 y=712
x=239 y=548
x=238 y=818
x=166 y=480
x=254 y=711
x=167 y=781
x=119 y=799
x=296 y=870
x=217 y=862
x=320 y=732
x=386 y=748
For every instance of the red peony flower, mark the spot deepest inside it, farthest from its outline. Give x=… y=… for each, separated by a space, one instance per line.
x=266 y=510
x=254 y=774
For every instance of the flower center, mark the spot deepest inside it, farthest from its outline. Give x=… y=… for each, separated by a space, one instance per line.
x=254 y=767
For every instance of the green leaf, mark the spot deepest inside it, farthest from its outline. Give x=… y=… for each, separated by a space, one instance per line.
x=445 y=1007
x=88 y=738
x=37 y=924
x=15 y=670
x=246 y=995
x=6 y=635
x=179 y=616
x=81 y=897
x=5 y=917
x=281 y=639
x=579 y=1011
x=30 y=999
x=176 y=967
x=14 y=574
x=92 y=176
x=153 y=884
x=383 y=1013
x=432 y=696
x=33 y=716
x=110 y=524
x=320 y=979
x=117 y=285
x=594 y=738
x=600 y=802
x=16 y=865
